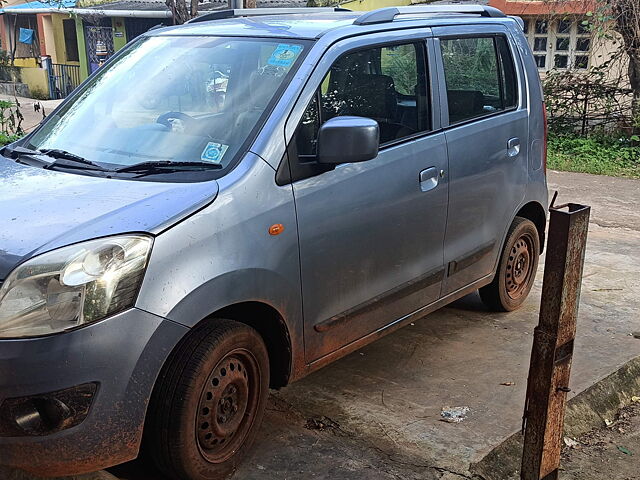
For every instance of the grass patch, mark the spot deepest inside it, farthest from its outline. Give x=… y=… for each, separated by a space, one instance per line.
x=599 y=155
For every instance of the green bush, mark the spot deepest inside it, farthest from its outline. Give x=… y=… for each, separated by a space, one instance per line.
x=600 y=155
x=10 y=119
x=7 y=70
x=39 y=94
x=7 y=139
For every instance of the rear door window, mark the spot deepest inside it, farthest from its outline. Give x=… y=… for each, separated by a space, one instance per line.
x=480 y=76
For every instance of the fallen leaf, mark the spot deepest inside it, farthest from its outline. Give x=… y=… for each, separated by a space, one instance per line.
x=508 y=384
x=635 y=399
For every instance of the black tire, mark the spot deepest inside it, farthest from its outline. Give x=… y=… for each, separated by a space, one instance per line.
x=516 y=270
x=209 y=402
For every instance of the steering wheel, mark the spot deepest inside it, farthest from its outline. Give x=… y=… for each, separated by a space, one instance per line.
x=188 y=121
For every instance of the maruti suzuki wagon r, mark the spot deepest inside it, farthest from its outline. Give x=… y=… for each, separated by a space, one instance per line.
x=228 y=205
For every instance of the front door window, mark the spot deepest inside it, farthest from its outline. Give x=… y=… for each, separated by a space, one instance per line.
x=387 y=84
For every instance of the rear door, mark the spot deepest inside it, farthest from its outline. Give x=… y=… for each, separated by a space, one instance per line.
x=371 y=234
x=486 y=127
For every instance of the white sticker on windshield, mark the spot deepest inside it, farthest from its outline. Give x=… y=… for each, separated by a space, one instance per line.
x=213 y=152
x=284 y=55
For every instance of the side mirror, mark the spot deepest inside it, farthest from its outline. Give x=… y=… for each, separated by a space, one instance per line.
x=347 y=140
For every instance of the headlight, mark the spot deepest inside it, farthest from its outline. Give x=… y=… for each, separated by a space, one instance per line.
x=73 y=286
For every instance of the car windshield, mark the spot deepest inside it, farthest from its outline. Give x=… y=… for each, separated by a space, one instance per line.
x=173 y=99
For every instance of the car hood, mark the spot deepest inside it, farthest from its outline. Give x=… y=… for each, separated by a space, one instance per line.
x=42 y=209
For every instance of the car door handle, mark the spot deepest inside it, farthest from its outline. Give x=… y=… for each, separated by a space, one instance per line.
x=428 y=179
x=513 y=147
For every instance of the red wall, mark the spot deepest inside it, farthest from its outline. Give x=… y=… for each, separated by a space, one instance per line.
x=41 y=39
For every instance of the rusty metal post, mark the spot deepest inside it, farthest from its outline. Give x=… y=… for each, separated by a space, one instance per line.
x=552 y=350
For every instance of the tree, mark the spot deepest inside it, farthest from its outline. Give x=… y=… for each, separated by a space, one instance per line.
x=626 y=14
x=181 y=11
x=184 y=10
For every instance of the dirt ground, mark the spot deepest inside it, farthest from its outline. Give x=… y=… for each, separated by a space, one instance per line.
x=611 y=453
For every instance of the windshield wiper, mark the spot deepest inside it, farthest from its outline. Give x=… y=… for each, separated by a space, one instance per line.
x=13 y=152
x=165 y=166
x=62 y=158
x=18 y=153
x=70 y=160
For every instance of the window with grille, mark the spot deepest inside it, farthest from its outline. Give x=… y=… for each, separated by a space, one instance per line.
x=559 y=43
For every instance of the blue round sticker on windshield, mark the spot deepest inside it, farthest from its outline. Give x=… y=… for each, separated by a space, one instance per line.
x=284 y=55
x=213 y=152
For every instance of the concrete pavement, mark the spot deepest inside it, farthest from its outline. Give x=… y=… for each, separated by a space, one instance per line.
x=376 y=413
x=32 y=117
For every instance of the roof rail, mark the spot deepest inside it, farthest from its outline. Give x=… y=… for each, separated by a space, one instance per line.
x=254 y=12
x=388 y=14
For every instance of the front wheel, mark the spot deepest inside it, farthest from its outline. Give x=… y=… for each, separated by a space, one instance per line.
x=209 y=402
x=516 y=270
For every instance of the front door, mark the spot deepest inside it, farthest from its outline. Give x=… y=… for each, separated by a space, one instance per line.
x=487 y=140
x=371 y=234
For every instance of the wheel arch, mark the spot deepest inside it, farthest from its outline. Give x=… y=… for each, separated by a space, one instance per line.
x=535 y=212
x=268 y=322
x=260 y=298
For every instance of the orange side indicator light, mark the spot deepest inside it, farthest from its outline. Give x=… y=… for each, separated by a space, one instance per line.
x=276 y=229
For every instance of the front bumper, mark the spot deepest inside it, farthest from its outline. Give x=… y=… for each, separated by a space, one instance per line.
x=122 y=356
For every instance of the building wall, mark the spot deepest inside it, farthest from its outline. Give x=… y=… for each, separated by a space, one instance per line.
x=82 y=49
x=48 y=38
x=601 y=49
x=60 y=45
x=36 y=79
x=119 y=33
x=26 y=62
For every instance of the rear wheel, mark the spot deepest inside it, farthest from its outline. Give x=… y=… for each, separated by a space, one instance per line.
x=517 y=268
x=209 y=402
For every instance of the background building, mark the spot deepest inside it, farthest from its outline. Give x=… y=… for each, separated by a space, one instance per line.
x=56 y=45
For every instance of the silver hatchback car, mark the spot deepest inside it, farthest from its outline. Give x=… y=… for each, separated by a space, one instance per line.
x=231 y=204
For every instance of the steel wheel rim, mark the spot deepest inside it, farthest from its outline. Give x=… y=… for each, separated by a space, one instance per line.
x=520 y=265
x=228 y=405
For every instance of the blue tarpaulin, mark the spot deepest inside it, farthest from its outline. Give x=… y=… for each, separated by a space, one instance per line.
x=25 y=7
x=26 y=36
